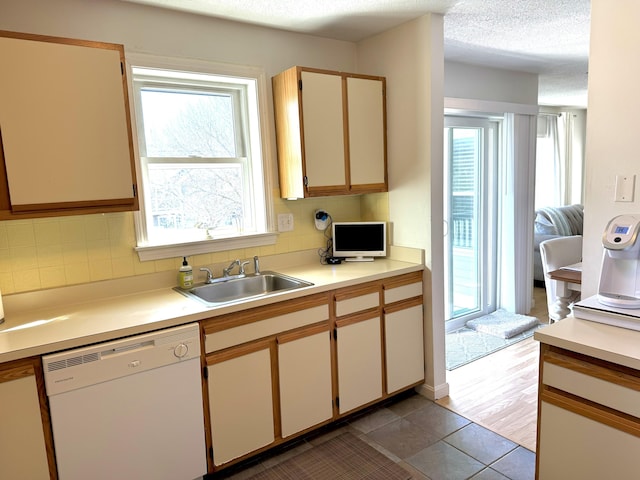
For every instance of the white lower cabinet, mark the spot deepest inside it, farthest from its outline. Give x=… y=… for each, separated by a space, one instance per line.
x=359 y=347
x=575 y=446
x=281 y=370
x=304 y=367
x=268 y=375
x=403 y=332
x=588 y=418
x=240 y=402
x=23 y=453
x=404 y=352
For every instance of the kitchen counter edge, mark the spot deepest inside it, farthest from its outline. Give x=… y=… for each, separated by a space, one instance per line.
x=613 y=344
x=42 y=331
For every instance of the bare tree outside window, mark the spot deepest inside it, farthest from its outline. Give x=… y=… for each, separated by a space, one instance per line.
x=181 y=124
x=185 y=193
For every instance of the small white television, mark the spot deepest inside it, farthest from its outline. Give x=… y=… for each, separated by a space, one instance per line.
x=359 y=241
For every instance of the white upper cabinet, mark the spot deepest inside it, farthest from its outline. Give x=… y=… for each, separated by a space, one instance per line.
x=323 y=120
x=331 y=132
x=65 y=126
x=367 y=146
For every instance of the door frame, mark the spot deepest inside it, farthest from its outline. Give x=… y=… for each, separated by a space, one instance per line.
x=489 y=216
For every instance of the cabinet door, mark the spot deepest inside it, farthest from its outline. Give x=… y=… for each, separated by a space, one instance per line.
x=240 y=401
x=359 y=348
x=22 y=441
x=323 y=130
x=574 y=446
x=404 y=352
x=67 y=140
x=304 y=366
x=367 y=134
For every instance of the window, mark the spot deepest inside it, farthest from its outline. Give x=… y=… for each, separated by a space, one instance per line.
x=201 y=167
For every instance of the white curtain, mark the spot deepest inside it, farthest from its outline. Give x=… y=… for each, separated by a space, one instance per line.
x=558 y=161
x=516 y=222
x=550 y=169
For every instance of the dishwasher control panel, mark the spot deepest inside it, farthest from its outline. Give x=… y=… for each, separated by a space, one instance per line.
x=78 y=368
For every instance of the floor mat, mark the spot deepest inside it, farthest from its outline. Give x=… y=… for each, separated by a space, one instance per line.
x=502 y=324
x=465 y=345
x=343 y=457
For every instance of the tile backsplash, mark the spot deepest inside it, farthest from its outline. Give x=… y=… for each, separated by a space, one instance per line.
x=51 y=252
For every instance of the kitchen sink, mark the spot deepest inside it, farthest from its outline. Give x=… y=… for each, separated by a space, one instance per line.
x=238 y=289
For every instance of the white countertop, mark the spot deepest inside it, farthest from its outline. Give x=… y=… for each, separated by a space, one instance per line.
x=46 y=321
x=613 y=344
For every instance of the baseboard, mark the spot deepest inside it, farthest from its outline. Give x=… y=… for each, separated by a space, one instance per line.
x=433 y=393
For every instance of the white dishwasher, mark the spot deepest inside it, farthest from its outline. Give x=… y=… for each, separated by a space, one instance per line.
x=129 y=409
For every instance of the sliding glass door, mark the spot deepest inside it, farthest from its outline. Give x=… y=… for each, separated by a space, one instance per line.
x=470 y=203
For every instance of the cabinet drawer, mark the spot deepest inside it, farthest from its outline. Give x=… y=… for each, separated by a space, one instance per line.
x=403 y=292
x=264 y=328
x=592 y=382
x=357 y=304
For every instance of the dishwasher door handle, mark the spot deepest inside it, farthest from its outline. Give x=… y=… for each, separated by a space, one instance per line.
x=127 y=349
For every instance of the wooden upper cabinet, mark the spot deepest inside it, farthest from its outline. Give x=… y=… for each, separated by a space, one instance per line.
x=331 y=132
x=66 y=141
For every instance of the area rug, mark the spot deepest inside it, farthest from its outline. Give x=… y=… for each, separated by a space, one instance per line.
x=341 y=458
x=502 y=324
x=464 y=345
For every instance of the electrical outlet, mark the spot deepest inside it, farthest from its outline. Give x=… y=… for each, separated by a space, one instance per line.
x=285 y=222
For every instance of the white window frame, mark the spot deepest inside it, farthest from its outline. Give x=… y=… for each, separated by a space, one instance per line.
x=259 y=145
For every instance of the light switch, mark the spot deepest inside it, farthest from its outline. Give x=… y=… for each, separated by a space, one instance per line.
x=285 y=222
x=625 y=186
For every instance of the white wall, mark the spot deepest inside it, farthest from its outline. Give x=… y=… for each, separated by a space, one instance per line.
x=169 y=32
x=411 y=57
x=144 y=29
x=612 y=126
x=489 y=84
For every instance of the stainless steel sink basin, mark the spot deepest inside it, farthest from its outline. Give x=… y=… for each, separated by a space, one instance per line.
x=238 y=289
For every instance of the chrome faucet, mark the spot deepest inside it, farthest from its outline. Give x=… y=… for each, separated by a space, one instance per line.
x=256 y=265
x=227 y=271
x=241 y=273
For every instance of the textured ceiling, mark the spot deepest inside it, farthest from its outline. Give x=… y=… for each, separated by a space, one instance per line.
x=547 y=37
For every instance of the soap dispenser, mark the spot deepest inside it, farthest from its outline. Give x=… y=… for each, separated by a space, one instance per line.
x=185 y=275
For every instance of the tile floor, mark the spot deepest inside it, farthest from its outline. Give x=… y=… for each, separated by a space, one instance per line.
x=428 y=440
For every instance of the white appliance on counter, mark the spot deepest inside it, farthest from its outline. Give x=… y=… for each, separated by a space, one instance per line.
x=617 y=302
x=619 y=284
x=130 y=408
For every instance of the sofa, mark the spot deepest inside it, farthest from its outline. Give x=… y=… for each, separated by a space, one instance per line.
x=553 y=222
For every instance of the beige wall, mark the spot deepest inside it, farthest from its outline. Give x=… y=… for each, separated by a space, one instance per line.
x=612 y=132
x=44 y=253
x=411 y=57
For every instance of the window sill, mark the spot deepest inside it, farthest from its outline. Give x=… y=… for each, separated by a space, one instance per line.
x=159 y=252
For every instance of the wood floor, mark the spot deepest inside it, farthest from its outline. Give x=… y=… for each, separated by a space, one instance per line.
x=500 y=391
